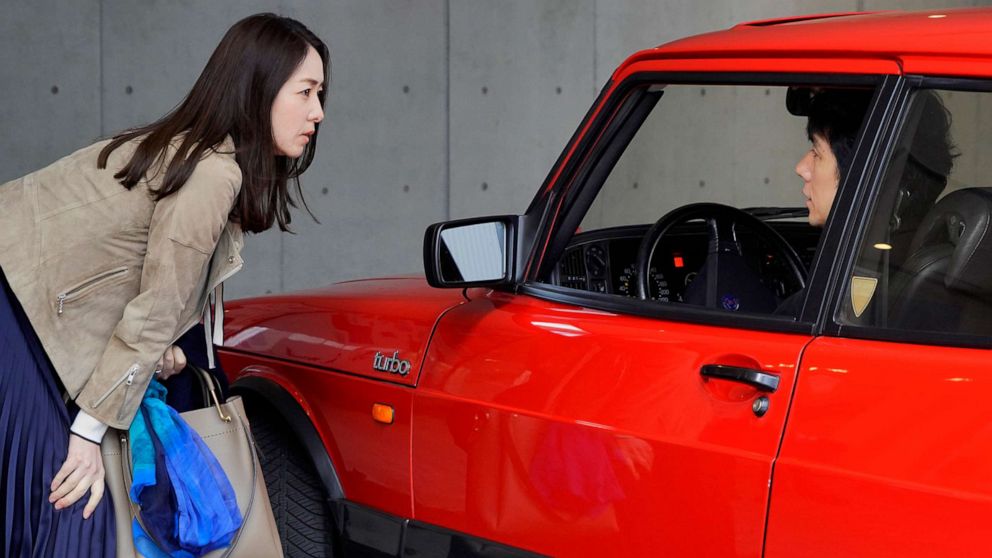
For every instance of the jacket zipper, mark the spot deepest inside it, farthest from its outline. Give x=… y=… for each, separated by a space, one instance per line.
x=78 y=289
x=236 y=254
x=225 y=277
x=206 y=304
x=127 y=379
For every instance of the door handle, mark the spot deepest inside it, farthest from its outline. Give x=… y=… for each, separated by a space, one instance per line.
x=762 y=381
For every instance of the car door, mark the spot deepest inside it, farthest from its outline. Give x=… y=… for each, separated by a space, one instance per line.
x=572 y=431
x=887 y=453
x=568 y=417
x=889 y=441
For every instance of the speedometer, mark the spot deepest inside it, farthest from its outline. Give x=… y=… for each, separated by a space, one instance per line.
x=627 y=284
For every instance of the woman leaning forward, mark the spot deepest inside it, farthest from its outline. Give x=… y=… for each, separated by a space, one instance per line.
x=110 y=254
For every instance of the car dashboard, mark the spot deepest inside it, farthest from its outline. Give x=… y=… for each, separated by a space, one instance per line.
x=605 y=260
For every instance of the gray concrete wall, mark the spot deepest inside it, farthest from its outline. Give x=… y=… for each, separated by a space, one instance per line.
x=437 y=109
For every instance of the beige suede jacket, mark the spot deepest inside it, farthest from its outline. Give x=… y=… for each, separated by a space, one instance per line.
x=108 y=277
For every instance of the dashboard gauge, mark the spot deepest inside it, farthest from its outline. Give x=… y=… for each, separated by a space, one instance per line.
x=627 y=284
x=595 y=261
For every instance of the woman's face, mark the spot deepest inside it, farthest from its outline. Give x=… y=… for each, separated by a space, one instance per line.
x=821 y=177
x=296 y=109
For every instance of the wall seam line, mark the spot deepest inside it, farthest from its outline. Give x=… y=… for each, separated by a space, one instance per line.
x=101 y=90
x=595 y=45
x=447 y=110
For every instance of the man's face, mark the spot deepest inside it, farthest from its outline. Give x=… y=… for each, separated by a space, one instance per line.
x=821 y=177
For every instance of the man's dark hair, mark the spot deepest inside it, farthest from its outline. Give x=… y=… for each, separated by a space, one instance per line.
x=233 y=96
x=836 y=116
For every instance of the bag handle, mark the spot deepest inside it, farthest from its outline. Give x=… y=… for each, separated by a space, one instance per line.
x=207 y=381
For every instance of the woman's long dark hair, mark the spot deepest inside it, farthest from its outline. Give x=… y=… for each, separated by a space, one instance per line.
x=233 y=96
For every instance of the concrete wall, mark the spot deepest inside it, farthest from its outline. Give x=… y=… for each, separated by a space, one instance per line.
x=437 y=109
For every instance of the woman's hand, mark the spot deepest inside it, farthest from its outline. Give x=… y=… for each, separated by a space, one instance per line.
x=171 y=363
x=81 y=472
x=83 y=467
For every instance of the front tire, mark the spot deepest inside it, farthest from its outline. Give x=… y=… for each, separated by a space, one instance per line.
x=299 y=500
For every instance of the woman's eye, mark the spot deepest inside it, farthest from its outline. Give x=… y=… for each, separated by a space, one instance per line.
x=306 y=92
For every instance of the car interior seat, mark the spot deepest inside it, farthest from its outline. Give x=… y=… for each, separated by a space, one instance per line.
x=945 y=284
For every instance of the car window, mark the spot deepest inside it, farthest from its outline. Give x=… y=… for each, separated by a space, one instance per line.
x=729 y=144
x=705 y=206
x=925 y=262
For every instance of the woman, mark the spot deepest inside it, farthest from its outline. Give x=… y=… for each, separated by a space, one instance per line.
x=112 y=253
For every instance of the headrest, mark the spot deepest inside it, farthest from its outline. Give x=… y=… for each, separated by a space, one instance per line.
x=962 y=219
x=932 y=147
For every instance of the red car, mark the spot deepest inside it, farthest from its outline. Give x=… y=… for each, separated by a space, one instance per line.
x=681 y=348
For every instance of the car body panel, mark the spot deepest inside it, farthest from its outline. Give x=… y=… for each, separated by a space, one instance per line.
x=950 y=34
x=344 y=326
x=557 y=427
x=938 y=66
x=885 y=442
x=851 y=66
x=371 y=459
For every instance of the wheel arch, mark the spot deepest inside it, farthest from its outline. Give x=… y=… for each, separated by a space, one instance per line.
x=286 y=406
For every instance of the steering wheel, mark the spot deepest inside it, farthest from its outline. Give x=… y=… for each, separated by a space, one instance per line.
x=721 y=222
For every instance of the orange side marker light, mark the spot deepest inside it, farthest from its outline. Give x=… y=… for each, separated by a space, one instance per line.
x=383 y=413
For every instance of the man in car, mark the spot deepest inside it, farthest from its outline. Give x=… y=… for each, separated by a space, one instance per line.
x=834 y=117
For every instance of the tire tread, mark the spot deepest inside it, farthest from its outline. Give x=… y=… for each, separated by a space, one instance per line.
x=301 y=512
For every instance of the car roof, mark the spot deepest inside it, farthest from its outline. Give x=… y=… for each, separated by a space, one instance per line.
x=954 y=41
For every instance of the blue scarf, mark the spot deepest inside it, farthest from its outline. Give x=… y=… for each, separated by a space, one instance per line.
x=187 y=503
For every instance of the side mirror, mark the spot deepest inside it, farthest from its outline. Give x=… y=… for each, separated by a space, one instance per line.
x=470 y=252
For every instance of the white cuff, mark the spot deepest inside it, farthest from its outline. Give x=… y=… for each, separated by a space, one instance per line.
x=85 y=426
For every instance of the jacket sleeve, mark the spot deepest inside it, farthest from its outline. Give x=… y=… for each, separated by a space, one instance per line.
x=182 y=235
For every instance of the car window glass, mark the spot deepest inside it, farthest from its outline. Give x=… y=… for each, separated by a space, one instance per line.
x=925 y=262
x=734 y=146
x=729 y=144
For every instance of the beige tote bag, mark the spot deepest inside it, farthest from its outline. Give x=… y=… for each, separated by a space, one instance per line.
x=224 y=429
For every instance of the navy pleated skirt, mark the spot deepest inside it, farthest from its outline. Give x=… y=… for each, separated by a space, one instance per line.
x=34 y=438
